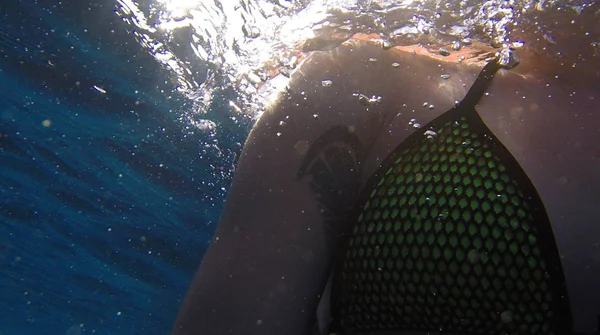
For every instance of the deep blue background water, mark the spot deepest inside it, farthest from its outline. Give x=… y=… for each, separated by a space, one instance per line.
x=107 y=201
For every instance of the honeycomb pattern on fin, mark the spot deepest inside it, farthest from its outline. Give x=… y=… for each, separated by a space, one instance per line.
x=452 y=236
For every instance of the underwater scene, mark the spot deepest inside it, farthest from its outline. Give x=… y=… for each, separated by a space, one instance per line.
x=299 y=167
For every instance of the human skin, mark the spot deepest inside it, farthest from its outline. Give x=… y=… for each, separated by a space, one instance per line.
x=273 y=250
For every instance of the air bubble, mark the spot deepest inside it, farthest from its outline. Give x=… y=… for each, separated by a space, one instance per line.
x=386 y=45
x=395 y=65
x=285 y=71
x=363 y=99
x=444 y=51
x=445 y=76
x=456 y=45
x=517 y=44
x=327 y=83
x=254 y=78
x=406 y=30
x=596 y=46
x=292 y=62
x=251 y=31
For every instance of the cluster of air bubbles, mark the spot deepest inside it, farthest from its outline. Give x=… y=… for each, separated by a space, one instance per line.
x=406 y=30
x=494 y=18
x=428 y=105
x=366 y=101
x=417 y=25
x=414 y=123
x=508 y=58
x=287 y=67
x=430 y=134
x=248 y=43
x=257 y=77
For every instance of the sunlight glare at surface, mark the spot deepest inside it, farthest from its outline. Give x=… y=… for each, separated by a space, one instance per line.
x=178 y=8
x=249 y=43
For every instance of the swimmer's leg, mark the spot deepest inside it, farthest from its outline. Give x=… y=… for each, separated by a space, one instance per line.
x=302 y=164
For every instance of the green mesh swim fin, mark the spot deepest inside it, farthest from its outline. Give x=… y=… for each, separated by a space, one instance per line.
x=452 y=236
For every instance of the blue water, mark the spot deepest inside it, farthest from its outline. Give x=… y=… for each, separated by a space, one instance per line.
x=107 y=200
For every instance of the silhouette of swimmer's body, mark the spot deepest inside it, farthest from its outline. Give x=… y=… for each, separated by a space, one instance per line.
x=472 y=227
